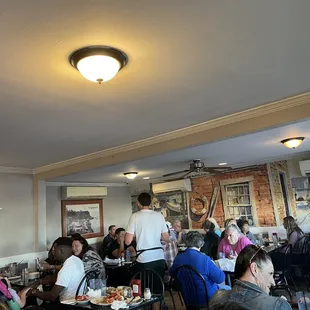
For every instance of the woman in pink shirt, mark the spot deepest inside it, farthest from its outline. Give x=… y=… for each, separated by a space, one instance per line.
x=233 y=242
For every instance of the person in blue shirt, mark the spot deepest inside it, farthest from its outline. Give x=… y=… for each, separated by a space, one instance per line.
x=245 y=228
x=202 y=263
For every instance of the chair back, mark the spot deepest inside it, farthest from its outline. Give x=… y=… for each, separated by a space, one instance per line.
x=306 y=245
x=210 y=250
x=152 y=280
x=287 y=258
x=85 y=282
x=193 y=287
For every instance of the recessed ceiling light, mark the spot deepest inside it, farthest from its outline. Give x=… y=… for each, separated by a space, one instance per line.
x=98 y=63
x=130 y=175
x=222 y=164
x=292 y=143
x=146 y=178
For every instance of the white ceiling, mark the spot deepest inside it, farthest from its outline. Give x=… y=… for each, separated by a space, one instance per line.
x=189 y=61
x=250 y=149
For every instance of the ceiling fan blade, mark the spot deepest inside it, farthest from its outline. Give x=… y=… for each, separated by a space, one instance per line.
x=246 y=167
x=218 y=168
x=174 y=173
x=186 y=174
x=210 y=170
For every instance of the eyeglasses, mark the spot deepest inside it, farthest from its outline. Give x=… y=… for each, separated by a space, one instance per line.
x=259 y=248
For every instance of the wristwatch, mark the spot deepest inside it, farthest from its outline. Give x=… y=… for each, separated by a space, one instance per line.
x=34 y=291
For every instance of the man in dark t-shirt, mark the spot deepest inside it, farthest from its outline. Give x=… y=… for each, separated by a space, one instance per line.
x=108 y=239
x=118 y=246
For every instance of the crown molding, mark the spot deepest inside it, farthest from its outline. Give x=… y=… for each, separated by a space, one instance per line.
x=86 y=184
x=16 y=170
x=264 y=116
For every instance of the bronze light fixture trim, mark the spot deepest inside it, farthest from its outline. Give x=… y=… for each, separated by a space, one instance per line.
x=98 y=63
x=130 y=175
x=292 y=143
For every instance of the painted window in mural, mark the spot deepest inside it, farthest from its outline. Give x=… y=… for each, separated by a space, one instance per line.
x=173 y=206
x=238 y=202
x=301 y=188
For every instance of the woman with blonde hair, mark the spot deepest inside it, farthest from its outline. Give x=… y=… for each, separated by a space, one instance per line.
x=295 y=236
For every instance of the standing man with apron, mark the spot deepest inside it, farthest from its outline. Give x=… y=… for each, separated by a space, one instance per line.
x=150 y=228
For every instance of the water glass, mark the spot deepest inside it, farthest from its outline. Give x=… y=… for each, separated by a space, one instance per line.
x=221 y=255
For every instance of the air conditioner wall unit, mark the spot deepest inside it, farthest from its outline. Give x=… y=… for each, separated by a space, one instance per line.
x=304 y=166
x=83 y=192
x=183 y=185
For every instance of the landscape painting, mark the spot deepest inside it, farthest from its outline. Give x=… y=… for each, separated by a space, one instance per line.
x=83 y=217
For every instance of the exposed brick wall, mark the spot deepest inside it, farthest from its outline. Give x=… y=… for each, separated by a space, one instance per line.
x=203 y=187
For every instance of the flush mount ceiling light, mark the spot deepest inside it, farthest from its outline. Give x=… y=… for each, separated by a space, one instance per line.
x=98 y=63
x=130 y=175
x=292 y=143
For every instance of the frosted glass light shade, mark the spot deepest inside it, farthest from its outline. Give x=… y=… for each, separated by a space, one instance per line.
x=130 y=175
x=98 y=68
x=292 y=143
x=98 y=63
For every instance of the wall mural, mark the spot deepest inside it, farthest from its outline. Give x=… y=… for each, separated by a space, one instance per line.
x=301 y=188
x=201 y=207
x=173 y=206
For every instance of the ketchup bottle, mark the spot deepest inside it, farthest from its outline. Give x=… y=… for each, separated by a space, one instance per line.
x=136 y=287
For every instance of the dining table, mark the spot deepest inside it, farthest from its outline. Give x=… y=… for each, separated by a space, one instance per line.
x=89 y=305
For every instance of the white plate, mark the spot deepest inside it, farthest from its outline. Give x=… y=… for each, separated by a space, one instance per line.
x=70 y=301
x=96 y=301
x=82 y=302
x=135 y=303
x=109 y=261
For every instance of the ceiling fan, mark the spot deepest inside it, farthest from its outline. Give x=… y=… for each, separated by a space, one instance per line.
x=198 y=167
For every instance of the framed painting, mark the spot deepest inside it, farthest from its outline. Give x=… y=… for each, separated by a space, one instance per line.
x=82 y=216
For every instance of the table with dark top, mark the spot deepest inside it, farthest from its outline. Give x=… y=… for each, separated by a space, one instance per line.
x=142 y=305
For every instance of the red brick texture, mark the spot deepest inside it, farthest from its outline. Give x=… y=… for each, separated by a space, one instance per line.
x=203 y=186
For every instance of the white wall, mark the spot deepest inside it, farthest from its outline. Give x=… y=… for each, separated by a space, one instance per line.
x=293 y=164
x=16 y=216
x=116 y=210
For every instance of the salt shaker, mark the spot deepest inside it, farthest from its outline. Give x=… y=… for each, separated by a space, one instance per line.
x=125 y=292
x=129 y=292
x=147 y=294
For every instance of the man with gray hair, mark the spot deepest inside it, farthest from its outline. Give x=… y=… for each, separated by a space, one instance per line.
x=203 y=264
x=178 y=233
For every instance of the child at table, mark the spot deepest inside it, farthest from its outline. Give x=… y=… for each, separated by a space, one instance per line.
x=20 y=298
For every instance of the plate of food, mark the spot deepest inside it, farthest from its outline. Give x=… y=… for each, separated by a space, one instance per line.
x=101 y=301
x=82 y=300
x=134 y=301
x=106 y=300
